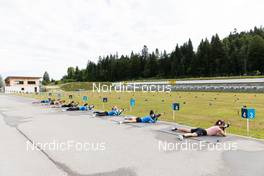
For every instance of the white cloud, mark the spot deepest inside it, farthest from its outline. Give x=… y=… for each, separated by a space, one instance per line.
x=39 y=35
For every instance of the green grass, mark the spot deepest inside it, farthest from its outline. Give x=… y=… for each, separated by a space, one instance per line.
x=196 y=111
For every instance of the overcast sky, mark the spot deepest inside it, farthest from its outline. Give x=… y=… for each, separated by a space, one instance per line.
x=40 y=35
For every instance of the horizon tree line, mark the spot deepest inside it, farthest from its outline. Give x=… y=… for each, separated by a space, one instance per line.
x=237 y=54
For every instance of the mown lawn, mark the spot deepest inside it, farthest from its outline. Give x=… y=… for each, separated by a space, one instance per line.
x=196 y=108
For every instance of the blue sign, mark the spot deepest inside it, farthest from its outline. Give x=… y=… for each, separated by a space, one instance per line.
x=244 y=112
x=132 y=102
x=85 y=98
x=176 y=106
x=248 y=113
x=105 y=100
x=251 y=113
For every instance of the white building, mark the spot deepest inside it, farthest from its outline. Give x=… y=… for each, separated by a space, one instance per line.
x=24 y=84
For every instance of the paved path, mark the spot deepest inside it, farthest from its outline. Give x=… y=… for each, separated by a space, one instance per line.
x=101 y=147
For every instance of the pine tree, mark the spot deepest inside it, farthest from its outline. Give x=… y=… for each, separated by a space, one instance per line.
x=135 y=66
x=78 y=75
x=218 y=57
x=202 y=61
x=151 y=66
x=164 y=65
x=70 y=73
x=237 y=54
x=256 y=54
x=189 y=58
x=46 y=78
x=2 y=84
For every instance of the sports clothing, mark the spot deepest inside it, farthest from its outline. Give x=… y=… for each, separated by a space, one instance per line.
x=148 y=119
x=199 y=131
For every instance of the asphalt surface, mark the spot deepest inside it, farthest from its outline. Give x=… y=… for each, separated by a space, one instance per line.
x=40 y=141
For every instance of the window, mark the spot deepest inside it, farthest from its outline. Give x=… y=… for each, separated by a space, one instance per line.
x=31 y=82
x=22 y=88
x=19 y=82
x=7 y=83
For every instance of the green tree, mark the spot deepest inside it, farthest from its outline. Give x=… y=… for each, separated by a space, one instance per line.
x=144 y=51
x=90 y=72
x=189 y=55
x=236 y=54
x=256 y=54
x=135 y=66
x=202 y=60
x=218 y=57
x=164 y=65
x=78 y=76
x=151 y=66
x=70 y=73
x=1 y=82
x=46 y=78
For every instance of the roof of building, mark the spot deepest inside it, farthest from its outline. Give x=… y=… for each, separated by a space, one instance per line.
x=22 y=77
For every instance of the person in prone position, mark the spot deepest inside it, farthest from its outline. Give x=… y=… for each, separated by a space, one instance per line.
x=70 y=105
x=85 y=107
x=114 y=112
x=57 y=104
x=42 y=101
x=151 y=118
x=217 y=130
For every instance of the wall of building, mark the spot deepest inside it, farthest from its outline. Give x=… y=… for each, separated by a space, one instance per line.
x=21 y=88
x=13 y=85
x=13 y=82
